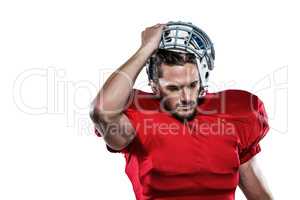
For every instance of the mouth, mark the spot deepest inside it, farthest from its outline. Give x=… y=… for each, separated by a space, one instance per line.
x=185 y=108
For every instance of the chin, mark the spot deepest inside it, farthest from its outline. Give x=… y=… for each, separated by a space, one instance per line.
x=185 y=115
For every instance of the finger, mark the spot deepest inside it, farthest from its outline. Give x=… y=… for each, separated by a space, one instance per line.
x=156 y=25
x=162 y=26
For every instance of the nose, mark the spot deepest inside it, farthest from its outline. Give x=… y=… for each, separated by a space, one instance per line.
x=185 y=95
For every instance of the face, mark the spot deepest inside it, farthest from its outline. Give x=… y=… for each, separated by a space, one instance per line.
x=179 y=89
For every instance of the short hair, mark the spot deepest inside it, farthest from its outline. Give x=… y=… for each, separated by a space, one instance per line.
x=163 y=56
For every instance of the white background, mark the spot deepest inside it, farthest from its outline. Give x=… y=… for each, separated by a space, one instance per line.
x=55 y=55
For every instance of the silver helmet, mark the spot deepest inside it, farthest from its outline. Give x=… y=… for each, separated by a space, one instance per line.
x=187 y=38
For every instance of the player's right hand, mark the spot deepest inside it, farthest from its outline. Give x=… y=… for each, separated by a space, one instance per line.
x=151 y=36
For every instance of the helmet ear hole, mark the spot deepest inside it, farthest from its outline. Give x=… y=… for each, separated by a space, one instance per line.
x=206 y=75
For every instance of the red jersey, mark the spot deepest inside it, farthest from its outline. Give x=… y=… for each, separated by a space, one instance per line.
x=172 y=160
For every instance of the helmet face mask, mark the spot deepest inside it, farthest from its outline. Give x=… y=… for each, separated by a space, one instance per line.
x=186 y=38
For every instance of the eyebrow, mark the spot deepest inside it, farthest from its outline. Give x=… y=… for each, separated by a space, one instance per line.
x=169 y=83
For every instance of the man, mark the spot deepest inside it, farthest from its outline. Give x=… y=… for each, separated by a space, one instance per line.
x=181 y=142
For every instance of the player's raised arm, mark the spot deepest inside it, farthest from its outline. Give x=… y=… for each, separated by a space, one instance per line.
x=107 y=106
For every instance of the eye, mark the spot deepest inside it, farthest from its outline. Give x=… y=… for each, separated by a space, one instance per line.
x=173 y=88
x=194 y=84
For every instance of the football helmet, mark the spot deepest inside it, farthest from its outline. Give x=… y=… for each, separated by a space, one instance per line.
x=185 y=37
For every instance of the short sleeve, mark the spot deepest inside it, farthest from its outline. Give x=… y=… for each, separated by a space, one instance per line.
x=254 y=129
x=125 y=150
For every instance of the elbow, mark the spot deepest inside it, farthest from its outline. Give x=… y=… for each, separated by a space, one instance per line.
x=98 y=114
x=95 y=112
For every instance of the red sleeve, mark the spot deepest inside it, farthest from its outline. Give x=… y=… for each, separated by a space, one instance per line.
x=132 y=114
x=125 y=150
x=255 y=128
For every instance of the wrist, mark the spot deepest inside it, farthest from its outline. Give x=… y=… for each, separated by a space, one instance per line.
x=144 y=53
x=147 y=50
